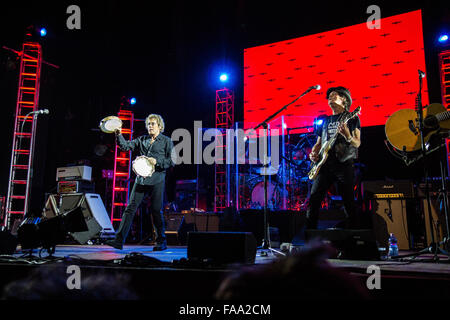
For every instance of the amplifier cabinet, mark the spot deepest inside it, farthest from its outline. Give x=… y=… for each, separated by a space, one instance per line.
x=390 y=216
x=206 y=222
x=74 y=173
x=381 y=189
x=75 y=187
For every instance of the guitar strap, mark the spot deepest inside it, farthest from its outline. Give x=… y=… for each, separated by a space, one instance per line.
x=343 y=152
x=326 y=123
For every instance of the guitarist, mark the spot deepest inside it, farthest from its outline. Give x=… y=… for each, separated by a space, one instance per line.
x=339 y=165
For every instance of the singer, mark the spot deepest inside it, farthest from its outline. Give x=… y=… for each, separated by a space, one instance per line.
x=158 y=148
x=339 y=165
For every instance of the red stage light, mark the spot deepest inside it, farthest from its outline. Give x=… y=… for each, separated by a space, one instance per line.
x=379 y=66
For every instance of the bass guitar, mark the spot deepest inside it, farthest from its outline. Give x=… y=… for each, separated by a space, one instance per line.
x=402 y=127
x=326 y=147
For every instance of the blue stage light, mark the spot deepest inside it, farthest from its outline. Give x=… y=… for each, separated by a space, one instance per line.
x=443 y=38
x=43 y=32
x=223 y=77
x=319 y=122
x=133 y=101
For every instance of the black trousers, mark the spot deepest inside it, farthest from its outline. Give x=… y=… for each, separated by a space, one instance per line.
x=343 y=174
x=138 y=194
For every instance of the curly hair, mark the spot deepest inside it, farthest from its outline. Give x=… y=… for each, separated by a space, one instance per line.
x=159 y=121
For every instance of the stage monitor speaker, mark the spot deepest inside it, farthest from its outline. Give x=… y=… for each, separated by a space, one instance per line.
x=94 y=213
x=222 y=247
x=53 y=231
x=390 y=216
x=350 y=244
x=8 y=242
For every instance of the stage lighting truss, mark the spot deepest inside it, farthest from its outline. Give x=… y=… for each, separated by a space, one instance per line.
x=224 y=120
x=122 y=169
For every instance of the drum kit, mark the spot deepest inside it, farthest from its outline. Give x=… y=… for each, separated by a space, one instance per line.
x=142 y=165
x=288 y=185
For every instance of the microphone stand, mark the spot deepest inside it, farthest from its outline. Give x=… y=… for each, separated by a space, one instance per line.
x=31 y=157
x=265 y=124
x=433 y=247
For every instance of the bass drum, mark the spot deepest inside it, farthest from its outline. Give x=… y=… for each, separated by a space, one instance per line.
x=273 y=196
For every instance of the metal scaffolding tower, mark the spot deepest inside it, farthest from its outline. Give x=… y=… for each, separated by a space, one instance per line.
x=20 y=174
x=444 y=66
x=224 y=120
x=122 y=169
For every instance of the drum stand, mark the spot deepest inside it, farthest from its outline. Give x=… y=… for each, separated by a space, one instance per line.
x=433 y=247
x=291 y=163
x=265 y=126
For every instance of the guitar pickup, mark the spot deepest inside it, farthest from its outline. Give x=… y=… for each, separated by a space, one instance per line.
x=412 y=127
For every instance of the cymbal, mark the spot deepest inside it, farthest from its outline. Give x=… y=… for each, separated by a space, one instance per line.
x=269 y=171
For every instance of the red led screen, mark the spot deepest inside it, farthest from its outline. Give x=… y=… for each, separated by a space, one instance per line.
x=379 y=66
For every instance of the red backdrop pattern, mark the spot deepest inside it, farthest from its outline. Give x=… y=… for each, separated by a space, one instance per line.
x=379 y=66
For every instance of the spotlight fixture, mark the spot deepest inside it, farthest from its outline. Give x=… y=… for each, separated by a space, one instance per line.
x=127 y=102
x=443 y=38
x=35 y=33
x=318 y=122
x=223 y=77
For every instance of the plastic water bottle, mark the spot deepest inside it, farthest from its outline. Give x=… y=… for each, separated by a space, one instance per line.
x=393 y=248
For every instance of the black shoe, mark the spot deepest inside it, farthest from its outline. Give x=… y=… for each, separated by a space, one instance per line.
x=160 y=246
x=114 y=244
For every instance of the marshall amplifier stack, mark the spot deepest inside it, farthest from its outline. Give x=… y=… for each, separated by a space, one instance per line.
x=380 y=189
x=75 y=187
x=390 y=203
x=76 y=179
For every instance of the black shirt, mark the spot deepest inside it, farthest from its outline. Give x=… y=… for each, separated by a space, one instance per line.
x=160 y=149
x=342 y=150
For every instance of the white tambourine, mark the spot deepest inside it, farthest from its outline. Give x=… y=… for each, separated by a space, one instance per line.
x=110 y=124
x=142 y=167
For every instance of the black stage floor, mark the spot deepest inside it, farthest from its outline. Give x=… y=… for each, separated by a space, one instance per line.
x=147 y=270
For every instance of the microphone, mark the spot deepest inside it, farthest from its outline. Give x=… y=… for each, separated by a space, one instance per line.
x=43 y=111
x=421 y=74
x=317 y=87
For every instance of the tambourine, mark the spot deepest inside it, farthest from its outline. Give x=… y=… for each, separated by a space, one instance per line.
x=142 y=167
x=110 y=124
